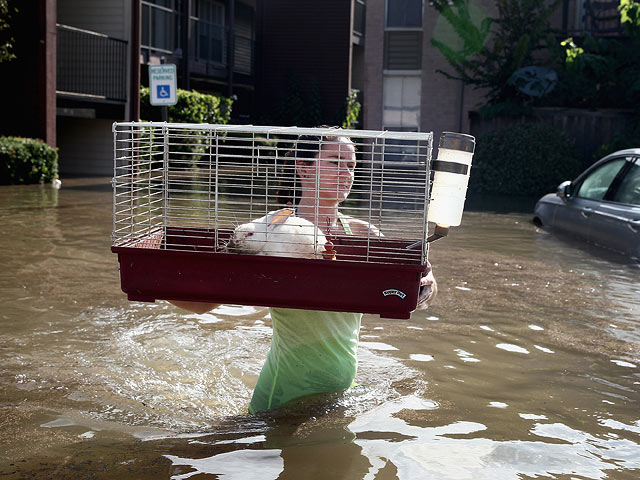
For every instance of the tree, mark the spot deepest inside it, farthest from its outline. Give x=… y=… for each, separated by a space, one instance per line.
x=6 y=40
x=493 y=50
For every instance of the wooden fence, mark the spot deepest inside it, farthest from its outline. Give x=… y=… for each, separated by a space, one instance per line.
x=589 y=129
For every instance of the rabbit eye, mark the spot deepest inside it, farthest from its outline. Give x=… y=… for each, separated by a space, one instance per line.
x=250 y=234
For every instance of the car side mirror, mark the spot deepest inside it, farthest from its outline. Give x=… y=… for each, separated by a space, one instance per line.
x=564 y=190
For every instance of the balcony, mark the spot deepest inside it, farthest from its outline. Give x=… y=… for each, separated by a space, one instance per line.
x=600 y=18
x=91 y=65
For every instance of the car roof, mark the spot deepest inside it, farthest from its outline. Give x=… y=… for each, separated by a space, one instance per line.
x=619 y=153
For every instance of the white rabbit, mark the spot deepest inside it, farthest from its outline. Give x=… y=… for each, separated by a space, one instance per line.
x=280 y=234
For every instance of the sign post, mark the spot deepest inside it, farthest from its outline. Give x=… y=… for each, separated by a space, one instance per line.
x=163 y=89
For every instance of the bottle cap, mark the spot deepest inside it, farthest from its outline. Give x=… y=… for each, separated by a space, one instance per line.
x=458 y=141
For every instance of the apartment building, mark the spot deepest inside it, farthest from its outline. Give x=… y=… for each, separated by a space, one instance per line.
x=80 y=65
x=402 y=86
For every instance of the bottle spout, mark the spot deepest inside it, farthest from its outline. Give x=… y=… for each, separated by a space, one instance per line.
x=439 y=232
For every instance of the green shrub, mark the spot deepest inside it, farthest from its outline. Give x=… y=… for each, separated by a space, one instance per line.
x=628 y=137
x=26 y=160
x=192 y=107
x=526 y=159
x=351 y=110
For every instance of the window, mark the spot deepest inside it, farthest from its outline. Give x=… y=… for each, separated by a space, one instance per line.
x=629 y=189
x=207 y=18
x=401 y=101
x=597 y=183
x=403 y=50
x=160 y=26
x=404 y=13
x=403 y=35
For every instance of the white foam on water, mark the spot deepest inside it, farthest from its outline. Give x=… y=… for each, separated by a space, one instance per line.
x=622 y=363
x=512 y=348
x=419 y=357
x=544 y=349
x=377 y=346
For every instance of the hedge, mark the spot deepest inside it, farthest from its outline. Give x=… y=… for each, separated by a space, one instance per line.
x=26 y=160
x=527 y=159
x=192 y=107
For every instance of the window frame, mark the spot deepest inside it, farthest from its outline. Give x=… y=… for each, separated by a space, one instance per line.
x=386 y=19
x=174 y=13
x=617 y=182
x=195 y=21
x=402 y=74
x=628 y=159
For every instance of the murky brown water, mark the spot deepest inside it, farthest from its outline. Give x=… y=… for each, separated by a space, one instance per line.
x=527 y=366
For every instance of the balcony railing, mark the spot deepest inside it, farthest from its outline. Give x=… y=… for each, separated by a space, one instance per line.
x=603 y=17
x=597 y=17
x=91 y=64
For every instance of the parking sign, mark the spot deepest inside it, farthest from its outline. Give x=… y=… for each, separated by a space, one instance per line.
x=163 y=85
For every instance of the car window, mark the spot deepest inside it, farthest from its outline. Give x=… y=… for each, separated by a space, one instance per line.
x=629 y=189
x=595 y=185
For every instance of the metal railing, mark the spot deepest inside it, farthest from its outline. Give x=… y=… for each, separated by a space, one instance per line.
x=91 y=64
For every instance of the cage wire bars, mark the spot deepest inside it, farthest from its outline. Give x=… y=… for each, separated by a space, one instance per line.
x=186 y=187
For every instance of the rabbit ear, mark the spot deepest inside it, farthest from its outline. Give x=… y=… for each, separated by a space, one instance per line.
x=281 y=216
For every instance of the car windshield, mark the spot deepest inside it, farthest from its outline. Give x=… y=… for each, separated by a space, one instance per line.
x=629 y=189
x=597 y=183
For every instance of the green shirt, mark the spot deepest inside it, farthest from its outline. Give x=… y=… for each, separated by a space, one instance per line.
x=311 y=352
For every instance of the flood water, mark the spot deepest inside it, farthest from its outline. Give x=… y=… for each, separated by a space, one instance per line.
x=527 y=365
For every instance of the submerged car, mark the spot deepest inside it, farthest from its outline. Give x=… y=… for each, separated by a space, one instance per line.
x=601 y=206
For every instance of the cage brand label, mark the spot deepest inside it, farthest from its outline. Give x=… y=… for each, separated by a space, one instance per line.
x=395 y=292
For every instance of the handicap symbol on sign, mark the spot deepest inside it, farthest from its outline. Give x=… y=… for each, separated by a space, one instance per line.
x=163 y=91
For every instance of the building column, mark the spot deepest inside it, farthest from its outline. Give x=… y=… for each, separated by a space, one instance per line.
x=134 y=45
x=47 y=71
x=231 y=38
x=185 y=75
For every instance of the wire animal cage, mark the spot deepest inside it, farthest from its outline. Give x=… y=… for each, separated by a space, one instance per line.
x=187 y=196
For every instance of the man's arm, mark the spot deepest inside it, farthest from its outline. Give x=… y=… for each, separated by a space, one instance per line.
x=195 y=307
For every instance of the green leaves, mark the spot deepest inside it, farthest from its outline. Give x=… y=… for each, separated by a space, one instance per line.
x=490 y=50
x=629 y=13
x=526 y=159
x=598 y=73
x=572 y=51
x=26 y=160
x=471 y=34
x=192 y=107
x=351 y=110
x=6 y=40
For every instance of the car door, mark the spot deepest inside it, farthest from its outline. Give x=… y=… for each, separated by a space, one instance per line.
x=574 y=217
x=615 y=223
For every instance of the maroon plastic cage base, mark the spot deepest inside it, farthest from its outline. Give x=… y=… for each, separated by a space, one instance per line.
x=153 y=268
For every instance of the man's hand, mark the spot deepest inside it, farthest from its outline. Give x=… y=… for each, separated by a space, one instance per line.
x=428 y=290
x=195 y=307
